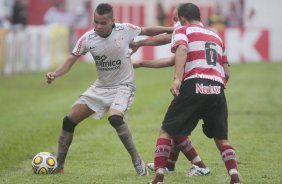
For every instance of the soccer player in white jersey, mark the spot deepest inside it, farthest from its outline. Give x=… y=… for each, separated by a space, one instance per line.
x=198 y=167
x=113 y=91
x=198 y=87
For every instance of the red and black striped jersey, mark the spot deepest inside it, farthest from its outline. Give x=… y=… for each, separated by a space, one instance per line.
x=206 y=52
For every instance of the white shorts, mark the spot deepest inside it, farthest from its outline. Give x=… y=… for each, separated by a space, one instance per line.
x=100 y=100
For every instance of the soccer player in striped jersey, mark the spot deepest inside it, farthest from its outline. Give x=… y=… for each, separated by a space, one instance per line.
x=114 y=89
x=198 y=87
x=198 y=167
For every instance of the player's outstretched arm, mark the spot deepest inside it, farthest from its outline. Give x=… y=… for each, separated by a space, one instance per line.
x=152 y=41
x=153 y=31
x=61 y=69
x=158 y=37
x=155 y=40
x=156 y=63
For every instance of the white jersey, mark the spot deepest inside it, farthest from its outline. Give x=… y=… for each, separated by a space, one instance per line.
x=111 y=54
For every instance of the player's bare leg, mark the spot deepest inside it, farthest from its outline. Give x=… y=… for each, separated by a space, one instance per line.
x=78 y=113
x=124 y=133
x=229 y=158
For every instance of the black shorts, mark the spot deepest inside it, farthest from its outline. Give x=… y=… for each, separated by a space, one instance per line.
x=198 y=99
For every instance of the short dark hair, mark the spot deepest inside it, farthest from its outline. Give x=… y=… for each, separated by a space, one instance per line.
x=189 y=11
x=105 y=8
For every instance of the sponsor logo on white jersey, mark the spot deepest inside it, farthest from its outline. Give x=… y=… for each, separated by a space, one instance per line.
x=106 y=65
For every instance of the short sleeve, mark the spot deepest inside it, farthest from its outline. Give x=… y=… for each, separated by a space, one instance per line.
x=178 y=38
x=80 y=46
x=132 y=30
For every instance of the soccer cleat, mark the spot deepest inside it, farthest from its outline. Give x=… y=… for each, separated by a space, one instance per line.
x=151 y=166
x=198 y=171
x=142 y=169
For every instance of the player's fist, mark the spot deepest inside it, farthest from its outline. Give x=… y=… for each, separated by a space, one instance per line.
x=134 y=46
x=50 y=76
x=175 y=87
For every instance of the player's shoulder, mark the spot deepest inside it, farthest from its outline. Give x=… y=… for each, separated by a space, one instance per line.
x=125 y=26
x=90 y=35
x=183 y=29
x=119 y=27
x=194 y=28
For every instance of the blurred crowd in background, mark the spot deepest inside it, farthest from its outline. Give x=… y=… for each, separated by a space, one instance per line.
x=53 y=27
x=218 y=16
x=17 y=14
x=20 y=13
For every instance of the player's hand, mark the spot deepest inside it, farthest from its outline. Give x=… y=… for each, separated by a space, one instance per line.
x=50 y=77
x=175 y=87
x=134 y=47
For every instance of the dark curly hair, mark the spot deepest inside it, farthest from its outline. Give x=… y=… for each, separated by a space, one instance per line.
x=105 y=8
x=189 y=11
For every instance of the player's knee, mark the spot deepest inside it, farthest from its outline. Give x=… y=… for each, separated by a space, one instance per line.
x=116 y=120
x=222 y=144
x=68 y=125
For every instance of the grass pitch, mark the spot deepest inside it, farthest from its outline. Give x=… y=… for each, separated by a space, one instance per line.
x=31 y=114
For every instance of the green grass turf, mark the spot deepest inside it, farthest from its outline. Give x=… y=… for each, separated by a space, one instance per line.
x=31 y=113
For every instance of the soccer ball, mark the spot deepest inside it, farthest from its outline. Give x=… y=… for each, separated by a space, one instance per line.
x=44 y=163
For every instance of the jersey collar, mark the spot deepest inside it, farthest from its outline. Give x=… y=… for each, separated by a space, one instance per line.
x=113 y=26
